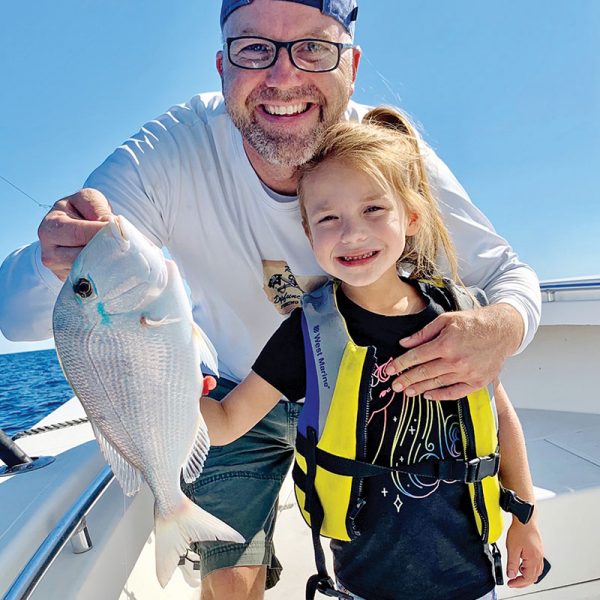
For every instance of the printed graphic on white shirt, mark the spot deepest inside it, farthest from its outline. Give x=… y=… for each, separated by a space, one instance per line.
x=283 y=288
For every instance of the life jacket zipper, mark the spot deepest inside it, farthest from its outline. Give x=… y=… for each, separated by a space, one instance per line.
x=469 y=451
x=364 y=400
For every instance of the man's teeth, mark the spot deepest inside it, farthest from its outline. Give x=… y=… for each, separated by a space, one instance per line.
x=286 y=110
x=358 y=256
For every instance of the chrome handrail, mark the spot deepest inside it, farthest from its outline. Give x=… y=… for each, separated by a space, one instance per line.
x=575 y=285
x=28 y=579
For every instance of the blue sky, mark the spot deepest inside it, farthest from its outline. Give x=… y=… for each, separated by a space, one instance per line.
x=507 y=93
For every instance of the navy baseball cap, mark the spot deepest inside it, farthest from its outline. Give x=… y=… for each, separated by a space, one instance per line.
x=343 y=11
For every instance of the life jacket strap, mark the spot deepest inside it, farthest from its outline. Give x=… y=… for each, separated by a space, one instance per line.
x=510 y=502
x=321 y=581
x=470 y=471
x=496 y=558
x=326 y=587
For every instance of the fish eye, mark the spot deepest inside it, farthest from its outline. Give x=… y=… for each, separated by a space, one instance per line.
x=83 y=288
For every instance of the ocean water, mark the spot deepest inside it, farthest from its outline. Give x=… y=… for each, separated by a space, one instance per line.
x=32 y=385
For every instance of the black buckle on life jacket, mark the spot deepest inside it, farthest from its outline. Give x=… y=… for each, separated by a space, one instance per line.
x=326 y=587
x=497 y=564
x=481 y=467
x=510 y=502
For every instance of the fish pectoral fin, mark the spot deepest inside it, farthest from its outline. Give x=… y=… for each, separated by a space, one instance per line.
x=147 y=322
x=206 y=351
x=194 y=462
x=126 y=474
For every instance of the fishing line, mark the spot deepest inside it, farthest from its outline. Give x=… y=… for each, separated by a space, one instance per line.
x=25 y=193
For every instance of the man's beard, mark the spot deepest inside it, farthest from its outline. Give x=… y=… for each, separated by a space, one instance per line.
x=281 y=148
x=278 y=147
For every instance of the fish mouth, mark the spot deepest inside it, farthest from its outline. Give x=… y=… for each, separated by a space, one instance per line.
x=117 y=226
x=118 y=230
x=125 y=233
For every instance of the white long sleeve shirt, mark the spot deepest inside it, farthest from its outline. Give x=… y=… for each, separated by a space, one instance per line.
x=186 y=182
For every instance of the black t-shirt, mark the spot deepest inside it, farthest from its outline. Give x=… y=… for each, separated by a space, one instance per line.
x=418 y=537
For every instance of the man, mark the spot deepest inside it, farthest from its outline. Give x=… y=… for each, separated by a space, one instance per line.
x=214 y=181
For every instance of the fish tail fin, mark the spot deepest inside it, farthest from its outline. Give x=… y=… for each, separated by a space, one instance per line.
x=175 y=534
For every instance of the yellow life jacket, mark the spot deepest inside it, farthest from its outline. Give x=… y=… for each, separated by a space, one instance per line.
x=330 y=456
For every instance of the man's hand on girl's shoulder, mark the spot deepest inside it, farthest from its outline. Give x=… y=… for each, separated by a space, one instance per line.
x=458 y=352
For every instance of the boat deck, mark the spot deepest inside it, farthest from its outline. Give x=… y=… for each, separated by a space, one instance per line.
x=564 y=453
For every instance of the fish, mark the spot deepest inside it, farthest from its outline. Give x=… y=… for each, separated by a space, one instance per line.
x=129 y=347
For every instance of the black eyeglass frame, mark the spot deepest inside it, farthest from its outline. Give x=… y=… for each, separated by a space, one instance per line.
x=288 y=46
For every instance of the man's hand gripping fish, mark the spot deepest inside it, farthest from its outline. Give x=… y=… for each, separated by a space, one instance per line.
x=128 y=346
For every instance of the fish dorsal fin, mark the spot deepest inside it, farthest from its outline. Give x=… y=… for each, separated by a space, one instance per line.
x=206 y=351
x=195 y=461
x=127 y=475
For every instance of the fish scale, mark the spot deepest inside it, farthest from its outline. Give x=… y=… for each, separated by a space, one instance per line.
x=128 y=345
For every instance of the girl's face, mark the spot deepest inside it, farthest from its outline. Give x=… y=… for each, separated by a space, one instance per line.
x=357 y=230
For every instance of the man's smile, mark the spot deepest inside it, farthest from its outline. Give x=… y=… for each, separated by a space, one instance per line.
x=286 y=109
x=280 y=113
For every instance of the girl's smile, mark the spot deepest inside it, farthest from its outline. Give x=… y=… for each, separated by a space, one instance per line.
x=351 y=260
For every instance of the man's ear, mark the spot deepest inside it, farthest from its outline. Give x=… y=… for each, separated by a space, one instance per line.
x=219 y=63
x=356 y=54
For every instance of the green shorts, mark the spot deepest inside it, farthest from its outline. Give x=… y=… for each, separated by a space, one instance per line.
x=240 y=484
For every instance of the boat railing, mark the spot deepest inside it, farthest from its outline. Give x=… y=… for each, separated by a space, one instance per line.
x=575 y=285
x=579 y=289
x=72 y=527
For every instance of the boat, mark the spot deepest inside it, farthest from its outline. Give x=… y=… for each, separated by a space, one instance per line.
x=67 y=531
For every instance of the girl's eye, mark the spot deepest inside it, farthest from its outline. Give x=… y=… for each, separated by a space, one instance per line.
x=327 y=218
x=372 y=209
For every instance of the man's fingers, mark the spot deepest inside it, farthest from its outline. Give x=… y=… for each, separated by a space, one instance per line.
x=452 y=392
x=91 y=204
x=471 y=344
x=418 y=356
x=424 y=377
x=428 y=333
x=434 y=379
x=69 y=226
x=60 y=229
x=59 y=259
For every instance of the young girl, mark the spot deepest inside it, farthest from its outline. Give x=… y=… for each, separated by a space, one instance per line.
x=368 y=213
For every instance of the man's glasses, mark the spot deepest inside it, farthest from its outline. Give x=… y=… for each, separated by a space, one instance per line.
x=315 y=56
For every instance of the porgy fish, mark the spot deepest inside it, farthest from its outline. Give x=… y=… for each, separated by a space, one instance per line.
x=127 y=343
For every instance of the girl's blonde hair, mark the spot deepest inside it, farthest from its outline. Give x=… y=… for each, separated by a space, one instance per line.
x=385 y=147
